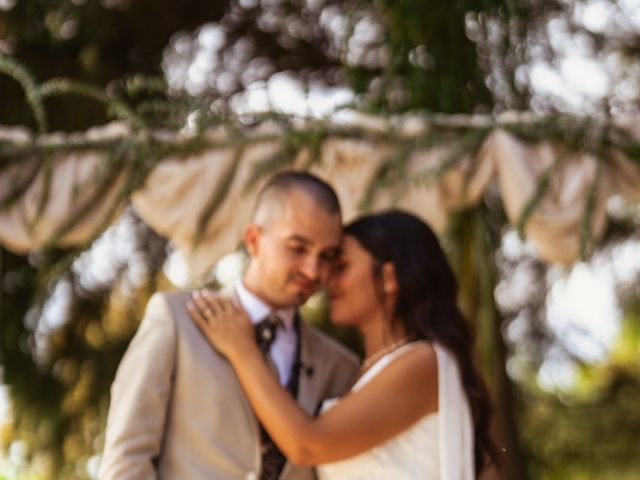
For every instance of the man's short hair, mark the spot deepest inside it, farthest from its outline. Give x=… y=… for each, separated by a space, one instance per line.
x=285 y=182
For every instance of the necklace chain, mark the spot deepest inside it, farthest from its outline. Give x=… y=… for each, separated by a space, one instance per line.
x=371 y=359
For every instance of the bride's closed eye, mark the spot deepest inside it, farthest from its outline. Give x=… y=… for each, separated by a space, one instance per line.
x=338 y=267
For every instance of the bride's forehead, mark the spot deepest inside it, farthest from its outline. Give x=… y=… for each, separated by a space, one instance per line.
x=351 y=247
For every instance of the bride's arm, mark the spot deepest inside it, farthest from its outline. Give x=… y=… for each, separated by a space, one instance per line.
x=396 y=398
x=390 y=403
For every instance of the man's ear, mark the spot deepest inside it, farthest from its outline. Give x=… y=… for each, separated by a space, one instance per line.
x=389 y=278
x=252 y=239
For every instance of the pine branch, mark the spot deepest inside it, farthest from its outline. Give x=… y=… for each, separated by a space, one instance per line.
x=218 y=197
x=114 y=107
x=140 y=84
x=18 y=187
x=586 y=230
x=47 y=171
x=541 y=189
x=542 y=185
x=470 y=142
x=32 y=93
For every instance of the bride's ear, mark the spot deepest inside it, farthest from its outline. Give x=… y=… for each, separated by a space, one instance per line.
x=389 y=279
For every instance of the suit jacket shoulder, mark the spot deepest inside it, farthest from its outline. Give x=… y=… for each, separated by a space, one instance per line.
x=176 y=301
x=334 y=348
x=334 y=366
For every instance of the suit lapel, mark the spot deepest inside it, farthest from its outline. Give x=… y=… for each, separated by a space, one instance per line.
x=310 y=373
x=230 y=292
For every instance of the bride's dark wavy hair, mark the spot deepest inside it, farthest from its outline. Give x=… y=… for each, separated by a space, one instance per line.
x=427 y=302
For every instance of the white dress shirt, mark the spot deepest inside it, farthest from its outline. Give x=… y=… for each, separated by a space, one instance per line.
x=283 y=348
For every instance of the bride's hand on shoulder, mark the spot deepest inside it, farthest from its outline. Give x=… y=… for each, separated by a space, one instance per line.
x=226 y=325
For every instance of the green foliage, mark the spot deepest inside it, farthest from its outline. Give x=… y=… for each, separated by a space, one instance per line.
x=33 y=95
x=590 y=432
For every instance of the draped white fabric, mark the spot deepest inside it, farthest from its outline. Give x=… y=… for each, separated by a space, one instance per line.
x=456 y=422
x=178 y=191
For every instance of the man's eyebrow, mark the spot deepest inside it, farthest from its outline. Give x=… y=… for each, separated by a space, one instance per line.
x=299 y=238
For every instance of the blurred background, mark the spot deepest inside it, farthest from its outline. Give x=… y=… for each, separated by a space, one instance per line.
x=559 y=344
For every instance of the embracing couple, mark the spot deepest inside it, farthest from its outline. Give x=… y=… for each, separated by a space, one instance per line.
x=234 y=385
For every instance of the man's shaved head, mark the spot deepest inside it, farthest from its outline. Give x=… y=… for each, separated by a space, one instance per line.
x=292 y=239
x=273 y=198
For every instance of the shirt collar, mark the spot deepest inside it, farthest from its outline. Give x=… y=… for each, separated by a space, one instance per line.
x=257 y=309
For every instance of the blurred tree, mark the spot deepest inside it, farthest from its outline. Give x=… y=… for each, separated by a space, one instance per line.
x=398 y=56
x=60 y=361
x=88 y=40
x=582 y=428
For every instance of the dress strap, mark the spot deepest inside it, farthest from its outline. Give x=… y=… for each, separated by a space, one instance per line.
x=384 y=361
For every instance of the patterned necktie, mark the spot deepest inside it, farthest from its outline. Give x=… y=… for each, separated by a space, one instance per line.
x=273 y=460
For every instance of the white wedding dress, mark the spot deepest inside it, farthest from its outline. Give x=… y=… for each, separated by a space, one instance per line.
x=437 y=447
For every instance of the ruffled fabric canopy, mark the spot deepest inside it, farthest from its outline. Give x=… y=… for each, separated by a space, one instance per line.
x=179 y=189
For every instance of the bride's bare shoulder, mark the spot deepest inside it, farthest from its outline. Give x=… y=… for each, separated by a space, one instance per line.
x=414 y=366
x=411 y=379
x=417 y=357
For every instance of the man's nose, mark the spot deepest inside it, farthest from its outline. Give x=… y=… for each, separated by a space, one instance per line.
x=311 y=268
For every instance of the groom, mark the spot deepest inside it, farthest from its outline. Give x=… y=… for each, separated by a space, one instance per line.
x=177 y=410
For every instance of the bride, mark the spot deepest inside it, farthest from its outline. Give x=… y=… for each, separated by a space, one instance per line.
x=419 y=410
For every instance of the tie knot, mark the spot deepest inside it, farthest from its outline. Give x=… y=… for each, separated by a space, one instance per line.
x=274 y=319
x=266 y=330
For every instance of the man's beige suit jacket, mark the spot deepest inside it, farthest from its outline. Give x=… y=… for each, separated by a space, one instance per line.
x=178 y=411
